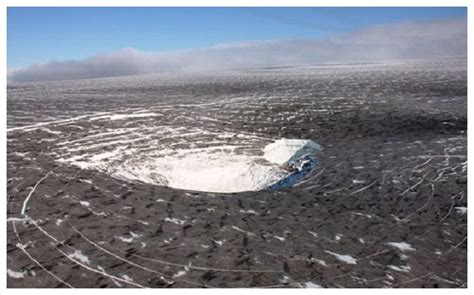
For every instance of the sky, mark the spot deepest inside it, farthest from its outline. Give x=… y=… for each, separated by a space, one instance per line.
x=66 y=39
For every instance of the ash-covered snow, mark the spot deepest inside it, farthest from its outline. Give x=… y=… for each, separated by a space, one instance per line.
x=394 y=169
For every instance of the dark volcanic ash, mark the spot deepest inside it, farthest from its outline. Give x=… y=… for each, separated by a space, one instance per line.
x=385 y=206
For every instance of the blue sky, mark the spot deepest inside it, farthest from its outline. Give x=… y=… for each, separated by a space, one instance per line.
x=39 y=35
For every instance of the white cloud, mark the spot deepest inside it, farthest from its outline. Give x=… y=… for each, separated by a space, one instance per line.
x=395 y=41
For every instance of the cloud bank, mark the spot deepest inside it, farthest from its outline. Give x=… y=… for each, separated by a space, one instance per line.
x=396 y=41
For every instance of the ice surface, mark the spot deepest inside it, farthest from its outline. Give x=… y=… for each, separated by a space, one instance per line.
x=286 y=150
x=204 y=170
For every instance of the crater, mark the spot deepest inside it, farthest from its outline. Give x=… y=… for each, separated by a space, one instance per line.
x=215 y=168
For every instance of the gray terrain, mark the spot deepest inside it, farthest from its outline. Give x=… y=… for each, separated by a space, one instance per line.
x=386 y=205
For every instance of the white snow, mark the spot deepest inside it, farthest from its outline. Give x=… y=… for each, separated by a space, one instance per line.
x=285 y=279
x=361 y=214
x=285 y=150
x=218 y=242
x=197 y=163
x=21 y=154
x=319 y=261
x=401 y=268
x=15 y=274
x=403 y=246
x=344 y=258
x=126 y=240
x=175 y=220
x=143 y=222
x=127 y=278
x=181 y=272
x=80 y=256
x=461 y=210
x=85 y=203
x=243 y=231
x=129 y=239
x=206 y=170
x=125 y=116
x=313 y=234
x=250 y=211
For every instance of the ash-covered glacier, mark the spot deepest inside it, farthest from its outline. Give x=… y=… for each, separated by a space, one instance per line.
x=217 y=179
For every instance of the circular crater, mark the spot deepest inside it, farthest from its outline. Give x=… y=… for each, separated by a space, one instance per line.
x=197 y=160
x=223 y=169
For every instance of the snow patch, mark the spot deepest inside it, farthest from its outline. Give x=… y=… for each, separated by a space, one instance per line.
x=175 y=220
x=85 y=203
x=181 y=272
x=401 y=268
x=319 y=261
x=219 y=242
x=80 y=256
x=461 y=210
x=248 y=211
x=130 y=239
x=15 y=274
x=313 y=234
x=127 y=278
x=281 y=239
x=243 y=231
x=402 y=246
x=344 y=258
